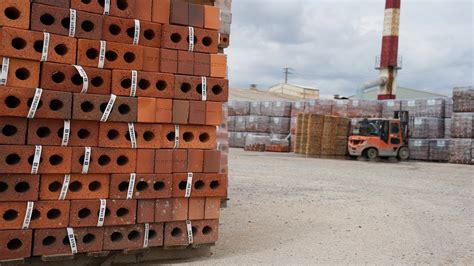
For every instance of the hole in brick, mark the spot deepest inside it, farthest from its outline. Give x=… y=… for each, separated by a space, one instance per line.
x=111 y=56
x=89 y=238
x=65 y=22
x=55 y=160
x=152 y=234
x=81 y=160
x=56 y=105
x=87 y=26
x=58 y=77
x=185 y=87
x=31 y=158
x=30 y=101
x=207 y=41
x=83 y=133
x=182 y=185
x=206 y=230
x=122 y=160
x=35 y=215
x=142 y=185
x=84 y=213
x=104 y=160
x=38 y=46
x=75 y=186
x=195 y=39
x=77 y=80
x=92 y=53
x=170 y=136
x=114 y=29
x=126 y=83
x=159 y=186
x=134 y=235
x=10 y=215
x=144 y=84
x=176 y=232
x=95 y=186
x=215 y=184
x=66 y=241
x=224 y=39
x=127 y=135
x=18 y=43
x=194 y=230
x=12 y=13
x=12 y=159
x=161 y=85
x=124 y=109
x=188 y=136
x=148 y=136
x=131 y=32
x=89 y=1
x=14 y=244
x=49 y=240
x=12 y=102
x=199 y=88
x=22 y=187
x=3 y=186
x=122 y=212
x=87 y=107
x=22 y=74
x=217 y=89
x=176 y=37
x=112 y=134
x=116 y=236
x=122 y=4
x=55 y=186
x=204 y=137
x=199 y=185
x=123 y=186
x=53 y=214
x=43 y=132
x=149 y=34
x=61 y=49
x=129 y=57
x=47 y=19
x=97 y=81
x=102 y=107
x=9 y=130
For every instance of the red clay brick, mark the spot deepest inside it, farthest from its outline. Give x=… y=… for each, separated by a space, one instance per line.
x=50 y=132
x=205 y=231
x=169 y=61
x=179 y=14
x=58 y=3
x=213 y=113
x=196 y=15
x=151 y=59
x=202 y=64
x=146 y=110
x=164 y=161
x=116 y=135
x=194 y=137
x=84 y=133
x=90 y=107
x=23 y=73
x=212 y=161
x=224 y=40
x=56 y=241
x=217 y=90
x=85 y=213
x=207 y=41
x=180 y=161
x=15 y=244
x=164 y=109
x=161 y=11
x=175 y=234
x=50 y=214
x=149 y=84
x=105 y=160
x=196 y=208
x=211 y=18
x=181 y=112
x=169 y=210
x=155 y=235
x=218 y=65
x=175 y=37
x=140 y=9
x=123 y=31
x=13 y=130
x=195 y=161
x=124 y=237
x=80 y=187
x=204 y=185
x=15 y=13
x=212 y=208
x=13 y=215
x=147 y=186
x=19 y=187
x=145 y=211
x=185 y=63
x=145 y=161
x=197 y=113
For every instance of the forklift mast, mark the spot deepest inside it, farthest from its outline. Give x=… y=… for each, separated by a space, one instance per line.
x=404 y=118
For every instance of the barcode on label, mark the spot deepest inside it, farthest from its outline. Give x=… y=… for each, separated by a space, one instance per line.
x=133 y=137
x=4 y=74
x=35 y=103
x=29 y=210
x=85 y=78
x=72 y=240
x=103 y=207
x=103 y=48
x=136 y=36
x=189 y=228
x=191 y=39
x=131 y=185
x=36 y=159
x=204 y=88
x=441 y=143
x=66 y=133
x=189 y=185
x=418 y=121
x=133 y=88
x=106 y=7
x=176 y=137
x=146 y=235
x=64 y=188
x=44 y=52
x=72 y=22
x=418 y=143
x=108 y=109
x=87 y=160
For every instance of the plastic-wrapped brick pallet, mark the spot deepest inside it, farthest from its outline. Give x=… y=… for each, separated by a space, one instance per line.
x=425 y=108
x=426 y=127
x=340 y=108
x=257 y=141
x=448 y=108
x=240 y=124
x=280 y=125
x=320 y=107
x=447 y=128
x=239 y=108
x=237 y=139
x=364 y=108
x=389 y=107
x=266 y=108
x=255 y=108
x=462 y=125
x=281 y=109
x=439 y=150
x=460 y=151
x=419 y=149
x=297 y=107
x=231 y=123
x=463 y=99
x=257 y=124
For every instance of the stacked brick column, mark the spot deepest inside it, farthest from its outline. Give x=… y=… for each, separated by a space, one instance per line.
x=108 y=116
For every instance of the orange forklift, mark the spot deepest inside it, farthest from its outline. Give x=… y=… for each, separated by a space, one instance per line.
x=384 y=138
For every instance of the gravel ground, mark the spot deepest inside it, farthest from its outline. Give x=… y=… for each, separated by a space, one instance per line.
x=285 y=209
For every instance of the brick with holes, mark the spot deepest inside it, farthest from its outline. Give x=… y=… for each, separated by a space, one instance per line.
x=117 y=55
x=164 y=110
x=163 y=161
x=63 y=77
x=146 y=110
x=122 y=30
x=149 y=84
x=145 y=211
x=224 y=40
x=207 y=41
x=51 y=132
x=13 y=215
x=175 y=234
x=58 y=3
x=145 y=161
x=185 y=63
x=23 y=73
x=13 y=130
x=175 y=37
x=25 y=44
x=50 y=214
x=204 y=185
x=53 y=104
x=139 y=9
x=169 y=210
x=15 y=13
x=56 y=241
x=57 y=20
x=169 y=61
x=213 y=113
x=93 y=186
x=105 y=160
x=124 y=237
x=217 y=90
x=85 y=213
x=205 y=231
x=191 y=137
x=187 y=87
x=117 y=135
x=196 y=208
x=202 y=64
x=155 y=235
x=15 y=244
x=19 y=187
x=147 y=186
x=91 y=107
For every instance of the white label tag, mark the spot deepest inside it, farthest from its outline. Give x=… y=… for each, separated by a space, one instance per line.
x=418 y=121
x=191 y=39
x=251 y=119
x=131 y=186
x=66 y=133
x=36 y=159
x=35 y=103
x=176 y=136
x=133 y=88
x=239 y=135
x=106 y=7
x=266 y=104
x=102 y=208
x=85 y=78
x=87 y=160
x=278 y=104
x=72 y=240
x=204 y=88
x=103 y=48
x=189 y=228
x=146 y=235
x=411 y=103
x=312 y=103
x=65 y=187
x=390 y=103
x=189 y=185
x=418 y=143
x=4 y=74
x=44 y=53
x=108 y=109
x=241 y=119
x=354 y=122
x=133 y=137
x=136 y=36
x=72 y=22
x=276 y=120
x=298 y=105
x=431 y=102
x=355 y=103
x=255 y=104
x=29 y=211
x=441 y=143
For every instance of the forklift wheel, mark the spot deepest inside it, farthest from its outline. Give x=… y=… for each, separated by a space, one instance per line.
x=404 y=153
x=371 y=154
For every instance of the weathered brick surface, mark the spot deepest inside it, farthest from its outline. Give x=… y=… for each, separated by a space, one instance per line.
x=196 y=208
x=169 y=61
x=59 y=3
x=15 y=13
x=85 y=213
x=23 y=73
x=13 y=130
x=212 y=208
x=210 y=185
x=146 y=110
x=205 y=231
x=147 y=186
x=15 y=244
x=164 y=161
x=164 y=109
x=124 y=237
x=56 y=241
x=145 y=211
x=92 y=186
x=50 y=214
x=105 y=160
x=51 y=132
x=175 y=234
x=145 y=161
x=19 y=187
x=169 y=210
x=149 y=84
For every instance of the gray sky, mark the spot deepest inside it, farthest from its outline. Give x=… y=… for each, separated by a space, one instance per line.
x=332 y=44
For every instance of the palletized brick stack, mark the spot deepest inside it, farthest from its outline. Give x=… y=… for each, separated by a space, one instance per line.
x=108 y=115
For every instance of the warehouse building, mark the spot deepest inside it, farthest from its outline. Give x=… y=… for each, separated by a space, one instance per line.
x=402 y=94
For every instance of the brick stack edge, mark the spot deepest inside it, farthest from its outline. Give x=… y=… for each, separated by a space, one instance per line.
x=50 y=195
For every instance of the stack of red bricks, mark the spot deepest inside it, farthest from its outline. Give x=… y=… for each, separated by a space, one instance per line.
x=108 y=120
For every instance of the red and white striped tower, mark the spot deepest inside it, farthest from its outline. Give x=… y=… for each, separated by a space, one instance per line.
x=389 y=57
